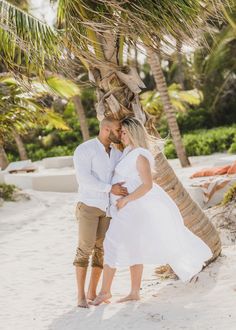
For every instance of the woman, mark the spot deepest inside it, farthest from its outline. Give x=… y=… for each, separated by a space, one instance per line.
x=146 y=225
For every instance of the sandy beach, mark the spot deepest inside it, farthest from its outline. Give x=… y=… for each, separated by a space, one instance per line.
x=37 y=243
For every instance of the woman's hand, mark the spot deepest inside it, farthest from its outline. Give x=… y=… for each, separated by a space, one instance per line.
x=121 y=202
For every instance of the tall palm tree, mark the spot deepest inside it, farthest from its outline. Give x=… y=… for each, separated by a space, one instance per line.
x=216 y=68
x=3 y=156
x=155 y=64
x=97 y=33
x=180 y=69
x=20 y=145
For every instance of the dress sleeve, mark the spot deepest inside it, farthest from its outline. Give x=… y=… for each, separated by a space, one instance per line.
x=147 y=154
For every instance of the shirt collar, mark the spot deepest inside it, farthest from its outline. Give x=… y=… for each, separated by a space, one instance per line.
x=102 y=147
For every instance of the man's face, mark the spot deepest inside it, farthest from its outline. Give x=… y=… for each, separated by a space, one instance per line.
x=115 y=132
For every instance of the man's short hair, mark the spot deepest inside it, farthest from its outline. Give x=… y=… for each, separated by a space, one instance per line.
x=107 y=121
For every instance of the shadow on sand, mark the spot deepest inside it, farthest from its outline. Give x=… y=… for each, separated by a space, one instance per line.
x=173 y=306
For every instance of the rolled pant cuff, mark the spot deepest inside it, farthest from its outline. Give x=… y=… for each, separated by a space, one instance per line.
x=97 y=265
x=78 y=263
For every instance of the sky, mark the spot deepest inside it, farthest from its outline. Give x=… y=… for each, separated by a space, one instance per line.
x=43 y=10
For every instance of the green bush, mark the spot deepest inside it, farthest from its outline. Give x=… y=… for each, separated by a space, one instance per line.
x=194 y=119
x=188 y=121
x=232 y=149
x=230 y=195
x=206 y=142
x=7 y=191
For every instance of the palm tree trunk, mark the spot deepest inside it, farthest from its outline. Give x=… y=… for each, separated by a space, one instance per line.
x=118 y=96
x=20 y=146
x=159 y=78
x=3 y=157
x=82 y=118
x=180 y=73
x=194 y=217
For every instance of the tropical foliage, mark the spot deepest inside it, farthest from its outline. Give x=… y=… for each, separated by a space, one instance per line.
x=20 y=110
x=180 y=99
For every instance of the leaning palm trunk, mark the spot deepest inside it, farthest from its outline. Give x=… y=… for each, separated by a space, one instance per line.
x=121 y=100
x=3 y=157
x=81 y=116
x=20 y=146
x=159 y=78
x=194 y=217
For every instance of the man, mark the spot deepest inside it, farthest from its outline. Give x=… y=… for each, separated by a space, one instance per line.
x=94 y=162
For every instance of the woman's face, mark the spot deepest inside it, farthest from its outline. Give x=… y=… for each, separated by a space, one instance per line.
x=124 y=136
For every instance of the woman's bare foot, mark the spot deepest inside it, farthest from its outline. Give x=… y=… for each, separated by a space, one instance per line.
x=82 y=302
x=91 y=297
x=131 y=296
x=102 y=297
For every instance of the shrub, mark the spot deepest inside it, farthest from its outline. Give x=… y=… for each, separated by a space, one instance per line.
x=206 y=142
x=7 y=191
x=230 y=195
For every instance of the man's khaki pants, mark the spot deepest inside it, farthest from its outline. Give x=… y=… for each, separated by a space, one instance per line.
x=93 y=224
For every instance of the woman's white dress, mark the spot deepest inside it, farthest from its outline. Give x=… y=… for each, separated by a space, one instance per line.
x=150 y=229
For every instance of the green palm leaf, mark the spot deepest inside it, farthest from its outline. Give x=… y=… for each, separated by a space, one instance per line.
x=180 y=100
x=26 y=42
x=62 y=86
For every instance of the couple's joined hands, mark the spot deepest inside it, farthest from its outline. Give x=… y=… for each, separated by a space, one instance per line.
x=119 y=190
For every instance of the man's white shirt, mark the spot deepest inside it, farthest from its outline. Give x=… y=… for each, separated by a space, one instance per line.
x=94 y=169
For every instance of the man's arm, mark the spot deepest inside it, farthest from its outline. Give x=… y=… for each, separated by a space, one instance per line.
x=82 y=164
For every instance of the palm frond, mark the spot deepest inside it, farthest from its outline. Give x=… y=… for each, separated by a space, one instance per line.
x=21 y=110
x=26 y=43
x=220 y=52
x=63 y=87
x=180 y=100
x=141 y=18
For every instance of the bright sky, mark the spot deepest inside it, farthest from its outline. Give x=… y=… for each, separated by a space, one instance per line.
x=43 y=10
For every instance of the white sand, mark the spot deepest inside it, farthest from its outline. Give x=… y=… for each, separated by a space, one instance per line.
x=37 y=244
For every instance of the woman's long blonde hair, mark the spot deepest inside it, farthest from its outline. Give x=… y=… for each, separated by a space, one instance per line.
x=139 y=136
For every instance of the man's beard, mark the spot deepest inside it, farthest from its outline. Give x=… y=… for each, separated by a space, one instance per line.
x=114 y=138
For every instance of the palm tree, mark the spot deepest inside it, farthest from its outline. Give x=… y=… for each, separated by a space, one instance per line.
x=155 y=64
x=180 y=100
x=3 y=157
x=215 y=67
x=20 y=145
x=20 y=111
x=180 y=68
x=97 y=33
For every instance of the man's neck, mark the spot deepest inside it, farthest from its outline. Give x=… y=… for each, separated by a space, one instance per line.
x=105 y=142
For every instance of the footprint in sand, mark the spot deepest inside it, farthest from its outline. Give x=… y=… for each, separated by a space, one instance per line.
x=155 y=317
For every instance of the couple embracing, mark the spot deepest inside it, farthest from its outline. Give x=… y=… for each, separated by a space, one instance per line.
x=126 y=220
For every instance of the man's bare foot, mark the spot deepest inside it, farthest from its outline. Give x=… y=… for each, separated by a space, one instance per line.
x=131 y=296
x=83 y=303
x=102 y=297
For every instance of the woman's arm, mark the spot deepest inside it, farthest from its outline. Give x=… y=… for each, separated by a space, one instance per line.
x=144 y=171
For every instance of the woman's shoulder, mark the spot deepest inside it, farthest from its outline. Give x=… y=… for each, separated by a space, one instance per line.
x=146 y=153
